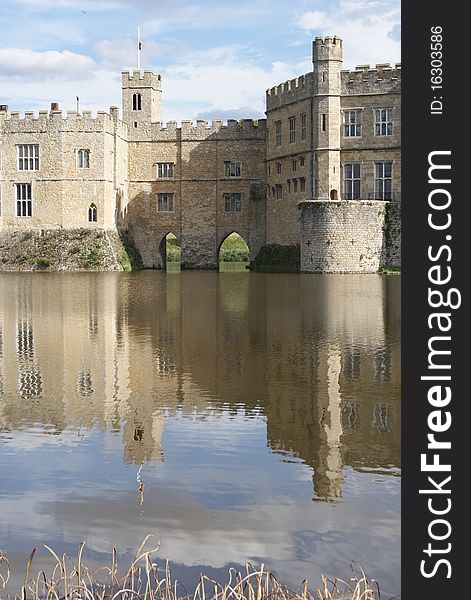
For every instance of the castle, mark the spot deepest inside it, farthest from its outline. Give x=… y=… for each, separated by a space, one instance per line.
x=322 y=171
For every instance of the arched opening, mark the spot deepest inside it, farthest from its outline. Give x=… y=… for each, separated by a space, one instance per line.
x=92 y=213
x=333 y=195
x=234 y=253
x=136 y=101
x=170 y=252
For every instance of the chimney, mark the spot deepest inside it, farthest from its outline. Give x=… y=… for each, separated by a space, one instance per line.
x=55 y=106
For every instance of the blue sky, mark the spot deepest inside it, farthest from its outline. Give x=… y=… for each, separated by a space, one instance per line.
x=216 y=58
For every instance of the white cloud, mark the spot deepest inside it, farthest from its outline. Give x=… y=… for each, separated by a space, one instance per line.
x=100 y=91
x=23 y=62
x=369 y=29
x=228 y=82
x=313 y=20
x=214 y=81
x=395 y=33
x=120 y=53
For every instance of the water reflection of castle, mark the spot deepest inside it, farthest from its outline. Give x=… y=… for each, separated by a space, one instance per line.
x=319 y=357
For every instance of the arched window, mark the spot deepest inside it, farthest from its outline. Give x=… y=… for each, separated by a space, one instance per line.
x=136 y=101
x=83 y=159
x=92 y=213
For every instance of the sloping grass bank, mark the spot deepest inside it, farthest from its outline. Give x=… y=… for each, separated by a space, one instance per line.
x=68 y=250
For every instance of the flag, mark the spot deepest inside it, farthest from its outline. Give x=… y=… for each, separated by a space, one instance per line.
x=139 y=43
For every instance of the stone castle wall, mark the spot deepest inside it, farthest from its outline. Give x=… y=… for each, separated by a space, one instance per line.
x=322 y=98
x=349 y=237
x=383 y=79
x=62 y=192
x=277 y=173
x=199 y=219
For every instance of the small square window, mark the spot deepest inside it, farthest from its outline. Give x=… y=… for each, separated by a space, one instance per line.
x=165 y=202
x=165 y=170
x=231 y=168
x=232 y=202
x=28 y=157
x=383 y=121
x=352 y=123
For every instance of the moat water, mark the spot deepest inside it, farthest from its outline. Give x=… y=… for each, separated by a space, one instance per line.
x=261 y=412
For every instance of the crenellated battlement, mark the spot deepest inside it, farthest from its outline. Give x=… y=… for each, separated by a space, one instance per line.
x=202 y=130
x=289 y=91
x=327 y=48
x=56 y=121
x=382 y=79
x=141 y=79
x=232 y=125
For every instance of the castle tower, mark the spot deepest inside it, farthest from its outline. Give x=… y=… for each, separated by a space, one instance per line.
x=142 y=97
x=327 y=57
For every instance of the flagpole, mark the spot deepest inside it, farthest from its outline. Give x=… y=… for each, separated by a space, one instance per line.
x=138 y=49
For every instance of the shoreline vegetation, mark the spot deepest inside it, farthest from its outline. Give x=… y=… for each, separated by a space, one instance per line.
x=71 y=579
x=98 y=250
x=389 y=270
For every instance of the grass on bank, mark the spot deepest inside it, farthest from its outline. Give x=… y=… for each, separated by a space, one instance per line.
x=234 y=249
x=388 y=270
x=174 y=251
x=71 y=579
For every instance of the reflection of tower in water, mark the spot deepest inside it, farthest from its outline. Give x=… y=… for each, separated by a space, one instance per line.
x=142 y=435
x=327 y=476
x=333 y=376
x=30 y=383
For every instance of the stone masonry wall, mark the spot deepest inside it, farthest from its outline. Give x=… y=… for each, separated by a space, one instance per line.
x=61 y=190
x=199 y=219
x=341 y=237
x=364 y=89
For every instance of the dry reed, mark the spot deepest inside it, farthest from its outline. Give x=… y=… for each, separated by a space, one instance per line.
x=71 y=579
